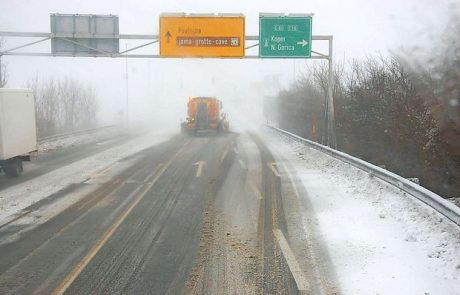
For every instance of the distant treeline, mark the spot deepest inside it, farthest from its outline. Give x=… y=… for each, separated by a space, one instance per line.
x=389 y=111
x=63 y=105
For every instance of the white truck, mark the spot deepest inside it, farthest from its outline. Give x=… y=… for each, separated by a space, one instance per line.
x=18 y=135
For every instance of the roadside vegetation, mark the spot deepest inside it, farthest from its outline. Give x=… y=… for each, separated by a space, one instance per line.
x=63 y=105
x=390 y=111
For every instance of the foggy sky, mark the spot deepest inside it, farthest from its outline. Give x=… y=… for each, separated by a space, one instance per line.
x=158 y=88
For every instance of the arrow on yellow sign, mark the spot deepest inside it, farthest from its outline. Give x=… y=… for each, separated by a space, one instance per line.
x=168 y=36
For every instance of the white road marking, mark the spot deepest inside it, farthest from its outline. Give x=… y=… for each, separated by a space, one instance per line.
x=256 y=191
x=224 y=154
x=310 y=251
x=298 y=274
x=199 y=170
x=243 y=166
x=274 y=169
x=103 y=172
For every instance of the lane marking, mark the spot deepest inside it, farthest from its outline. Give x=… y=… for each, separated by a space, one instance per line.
x=148 y=179
x=70 y=278
x=272 y=166
x=275 y=197
x=199 y=170
x=294 y=267
x=224 y=154
x=241 y=162
x=314 y=259
x=103 y=171
x=113 y=187
x=256 y=191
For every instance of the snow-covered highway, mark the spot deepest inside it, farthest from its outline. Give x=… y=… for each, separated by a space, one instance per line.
x=249 y=212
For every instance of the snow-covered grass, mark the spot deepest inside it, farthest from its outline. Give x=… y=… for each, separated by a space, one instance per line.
x=455 y=201
x=380 y=240
x=18 y=197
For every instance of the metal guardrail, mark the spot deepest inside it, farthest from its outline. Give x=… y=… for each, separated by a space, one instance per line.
x=73 y=133
x=446 y=208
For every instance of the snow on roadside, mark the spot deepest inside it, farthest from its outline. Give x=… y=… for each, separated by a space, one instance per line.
x=380 y=240
x=455 y=201
x=65 y=141
x=18 y=197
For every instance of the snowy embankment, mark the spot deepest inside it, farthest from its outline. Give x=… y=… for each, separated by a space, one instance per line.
x=18 y=197
x=380 y=239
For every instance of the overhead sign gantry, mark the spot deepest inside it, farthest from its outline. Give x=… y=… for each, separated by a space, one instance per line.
x=181 y=35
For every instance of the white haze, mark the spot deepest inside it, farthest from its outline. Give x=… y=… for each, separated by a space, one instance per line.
x=158 y=88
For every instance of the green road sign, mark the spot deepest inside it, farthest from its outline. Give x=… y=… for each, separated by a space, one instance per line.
x=285 y=36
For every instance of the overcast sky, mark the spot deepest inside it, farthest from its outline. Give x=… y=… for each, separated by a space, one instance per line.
x=159 y=88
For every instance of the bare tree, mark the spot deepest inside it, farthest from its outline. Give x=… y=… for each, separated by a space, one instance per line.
x=320 y=73
x=320 y=77
x=300 y=109
x=382 y=115
x=446 y=74
x=63 y=105
x=388 y=121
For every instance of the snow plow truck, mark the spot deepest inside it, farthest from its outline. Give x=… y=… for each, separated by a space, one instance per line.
x=204 y=114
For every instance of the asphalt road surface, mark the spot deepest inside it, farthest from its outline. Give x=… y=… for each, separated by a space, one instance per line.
x=47 y=161
x=194 y=215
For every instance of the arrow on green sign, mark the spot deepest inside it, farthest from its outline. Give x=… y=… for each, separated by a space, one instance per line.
x=303 y=43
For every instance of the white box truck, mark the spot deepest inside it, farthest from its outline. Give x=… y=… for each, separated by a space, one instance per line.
x=18 y=135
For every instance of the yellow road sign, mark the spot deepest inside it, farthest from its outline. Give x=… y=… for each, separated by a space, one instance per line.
x=202 y=36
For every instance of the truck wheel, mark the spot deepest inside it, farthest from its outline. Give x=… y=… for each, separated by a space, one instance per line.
x=220 y=127
x=13 y=168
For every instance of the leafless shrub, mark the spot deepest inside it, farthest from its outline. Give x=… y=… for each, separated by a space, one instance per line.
x=438 y=82
x=302 y=108
x=63 y=105
x=383 y=115
x=386 y=120
x=399 y=112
